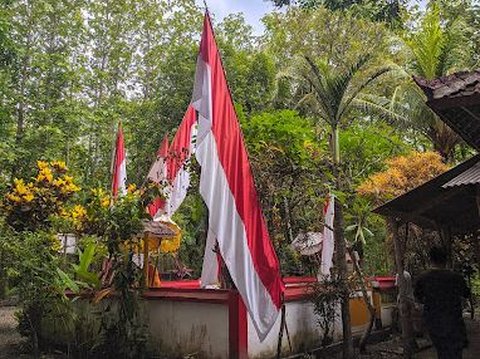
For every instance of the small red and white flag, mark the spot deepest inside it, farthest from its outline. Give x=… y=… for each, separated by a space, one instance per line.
x=171 y=170
x=181 y=150
x=328 y=246
x=119 y=166
x=227 y=187
x=158 y=174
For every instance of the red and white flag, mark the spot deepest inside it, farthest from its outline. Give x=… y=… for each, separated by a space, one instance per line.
x=181 y=149
x=227 y=187
x=158 y=174
x=119 y=166
x=328 y=246
x=171 y=171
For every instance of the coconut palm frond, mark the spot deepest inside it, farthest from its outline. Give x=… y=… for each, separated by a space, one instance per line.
x=363 y=85
x=367 y=104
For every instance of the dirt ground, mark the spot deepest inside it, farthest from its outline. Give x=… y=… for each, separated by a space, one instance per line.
x=9 y=337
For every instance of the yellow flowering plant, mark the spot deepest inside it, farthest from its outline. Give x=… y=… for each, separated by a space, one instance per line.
x=29 y=206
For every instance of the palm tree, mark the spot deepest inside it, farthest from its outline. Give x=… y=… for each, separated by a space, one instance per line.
x=436 y=51
x=333 y=95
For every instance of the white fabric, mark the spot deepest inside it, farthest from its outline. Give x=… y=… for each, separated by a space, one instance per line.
x=226 y=224
x=158 y=172
x=122 y=178
x=210 y=263
x=328 y=239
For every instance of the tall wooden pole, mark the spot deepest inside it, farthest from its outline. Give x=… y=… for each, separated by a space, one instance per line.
x=341 y=250
x=404 y=305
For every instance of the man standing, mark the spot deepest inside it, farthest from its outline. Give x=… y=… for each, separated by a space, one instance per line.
x=441 y=291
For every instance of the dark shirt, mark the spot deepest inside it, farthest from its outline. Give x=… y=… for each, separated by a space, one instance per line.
x=442 y=291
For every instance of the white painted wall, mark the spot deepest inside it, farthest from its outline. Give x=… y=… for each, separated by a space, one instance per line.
x=303 y=329
x=189 y=327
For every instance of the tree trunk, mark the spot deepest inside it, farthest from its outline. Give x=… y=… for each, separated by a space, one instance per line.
x=342 y=275
x=340 y=245
x=404 y=305
x=371 y=309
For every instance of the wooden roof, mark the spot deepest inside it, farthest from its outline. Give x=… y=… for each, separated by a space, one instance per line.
x=456 y=99
x=446 y=200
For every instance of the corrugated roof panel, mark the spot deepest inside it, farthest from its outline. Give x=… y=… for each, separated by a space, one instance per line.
x=470 y=176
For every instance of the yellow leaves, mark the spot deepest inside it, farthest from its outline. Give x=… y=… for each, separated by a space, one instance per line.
x=28 y=197
x=30 y=205
x=45 y=174
x=55 y=243
x=13 y=197
x=102 y=197
x=21 y=192
x=20 y=187
x=42 y=165
x=79 y=212
x=132 y=187
x=105 y=202
x=403 y=173
x=59 y=166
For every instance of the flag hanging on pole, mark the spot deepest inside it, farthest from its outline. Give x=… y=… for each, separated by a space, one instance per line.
x=158 y=171
x=328 y=246
x=178 y=172
x=171 y=168
x=119 y=166
x=158 y=175
x=227 y=187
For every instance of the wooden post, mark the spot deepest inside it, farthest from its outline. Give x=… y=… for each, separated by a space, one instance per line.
x=404 y=306
x=146 y=283
x=476 y=234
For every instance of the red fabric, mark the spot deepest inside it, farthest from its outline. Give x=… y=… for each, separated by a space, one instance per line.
x=118 y=158
x=159 y=203
x=154 y=207
x=180 y=147
x=175 y=155
x=163 y=150
x=234 y=159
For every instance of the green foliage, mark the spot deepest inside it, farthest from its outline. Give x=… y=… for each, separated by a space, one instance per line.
x=376 y=10
x=82 y=271
x=287 y=165
x=325 y=298
x=33 y=267
x=366 y=146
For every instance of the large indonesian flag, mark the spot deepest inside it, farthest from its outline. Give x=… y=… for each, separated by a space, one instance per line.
x=227 y=186
x=119 y=166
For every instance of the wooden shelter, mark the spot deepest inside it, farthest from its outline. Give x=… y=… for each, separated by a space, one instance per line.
x=449 y=203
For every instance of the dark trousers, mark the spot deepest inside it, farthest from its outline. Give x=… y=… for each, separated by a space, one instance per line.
x=447 y=349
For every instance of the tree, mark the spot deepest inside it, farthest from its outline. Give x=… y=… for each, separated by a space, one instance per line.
x=289 y=168
x=403 y=173
x=389 y=11
x=329 y=81
x=334 y=94
x=437 y=48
